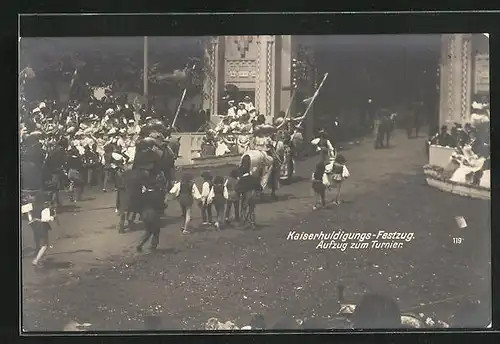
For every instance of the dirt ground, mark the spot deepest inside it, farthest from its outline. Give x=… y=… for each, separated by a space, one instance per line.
x=93 y=274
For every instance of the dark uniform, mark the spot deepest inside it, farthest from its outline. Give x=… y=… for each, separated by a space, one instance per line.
x=75 y=174
x=233 y=199
x=248 y=187
x=55 y=164
x=219 y=201
x=151 y=205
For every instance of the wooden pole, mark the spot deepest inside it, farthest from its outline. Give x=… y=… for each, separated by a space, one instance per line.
x=180 y=103
x=178 y=109
x=288 y=108
x=310 y=104
x=146 y=70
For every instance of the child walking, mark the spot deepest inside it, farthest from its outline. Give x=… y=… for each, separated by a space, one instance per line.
x=233 y=196
x=206 y=208
x=319 y=184
x=186 y=192
x=339 y=173
x=41 y=227
x=217 y=197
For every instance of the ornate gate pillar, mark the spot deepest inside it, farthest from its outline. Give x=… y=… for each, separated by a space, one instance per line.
x=214 y=73
x=456 y=71
x=265 y=83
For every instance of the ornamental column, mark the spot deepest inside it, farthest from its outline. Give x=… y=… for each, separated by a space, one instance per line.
x=456 y=71
x=214 y=74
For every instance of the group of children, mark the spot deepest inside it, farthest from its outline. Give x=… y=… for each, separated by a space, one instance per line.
x=321 y=180
x=238 y=191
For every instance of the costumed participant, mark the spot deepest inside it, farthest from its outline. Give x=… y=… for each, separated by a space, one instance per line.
x=75 y=171
x=217 y=197
x=206 y=208
x=326 y=149
x=319 y=184
x=442 y=138
x=36 y=205
x=241 y=110
x=248 y=187
x=186 y=192
x=233 y=196
x=55 y=164
x=231 y=111
x=91 y=163
x=248 y=104
x=244 y=133
x=208 y=144
x=252 y=115
x=261 y=139
x=339 y=174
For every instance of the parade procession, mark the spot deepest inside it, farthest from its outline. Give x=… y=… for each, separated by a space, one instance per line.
x=238 y=182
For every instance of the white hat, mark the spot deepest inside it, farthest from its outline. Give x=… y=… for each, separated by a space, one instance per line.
x=42 y=105
x=279 y=120
x=110 y=111
x=231 y=102
x=131 y=121
x=117 y=156
x=476 y=106
x=35 y=110
x=112 y=131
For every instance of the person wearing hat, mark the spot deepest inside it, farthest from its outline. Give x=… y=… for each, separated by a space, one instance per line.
x=241 y=110
x=325 y=147
x=91 y=163
x=55 y=163
x=231 y=111
x=248 y=104
x=442 y=138
x=339 y=174
x=75 y=167
x=206 y=208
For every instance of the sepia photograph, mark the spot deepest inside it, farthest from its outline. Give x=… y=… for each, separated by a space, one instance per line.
x=268 y=182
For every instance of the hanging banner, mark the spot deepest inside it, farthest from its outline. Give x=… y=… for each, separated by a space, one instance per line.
x=482 y=73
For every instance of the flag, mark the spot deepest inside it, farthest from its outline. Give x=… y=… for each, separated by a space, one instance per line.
x=307 y=101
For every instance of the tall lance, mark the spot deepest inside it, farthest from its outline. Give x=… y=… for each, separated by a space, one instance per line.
x=180 y=104
x=178 y=109
x=288 y=108
x=309 y=106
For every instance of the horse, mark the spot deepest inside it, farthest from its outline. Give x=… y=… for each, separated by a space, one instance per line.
x=265 y=165
x=144 y=194
x=162 y=158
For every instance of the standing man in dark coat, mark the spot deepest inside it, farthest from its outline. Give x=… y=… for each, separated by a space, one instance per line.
x=55 y=164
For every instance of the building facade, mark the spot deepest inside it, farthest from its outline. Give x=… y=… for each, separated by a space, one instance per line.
x=464 y=75
x=260 y=66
